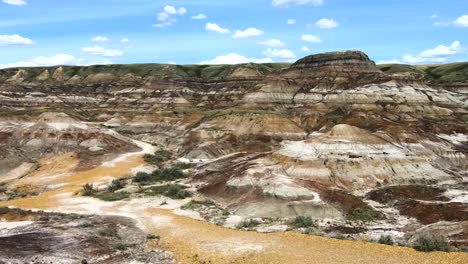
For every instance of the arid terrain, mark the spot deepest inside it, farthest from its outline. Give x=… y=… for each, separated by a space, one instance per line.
x=331 y=159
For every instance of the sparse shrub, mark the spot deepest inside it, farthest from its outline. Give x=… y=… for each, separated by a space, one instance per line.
x=310 y=231
x=169 y=174
x=432 y=243
x=115 y=185
x=250 y=223
x=303 y=222
x=158 y=157
x=4 y=210
x=111 y=196
x=386 y=240
x=142 y=177
x=182 y=166
x=177 y=192
x=192 y=205
x=152 y=237
x=87 y=190
x=363 y=214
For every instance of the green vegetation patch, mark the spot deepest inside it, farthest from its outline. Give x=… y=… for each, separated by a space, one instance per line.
x=158 y=157
x=363 y=214
x=164 y=175
x=432 y=243
x=172 y=191
x=302 y=222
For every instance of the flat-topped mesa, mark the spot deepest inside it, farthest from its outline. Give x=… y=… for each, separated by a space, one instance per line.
x=348 y=60
x=350 y=66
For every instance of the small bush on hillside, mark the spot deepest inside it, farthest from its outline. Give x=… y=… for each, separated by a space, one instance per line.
x=182 y=166
x=303 y=222
x=432 y=243
x=386 y=240
x=111 y=196
x=115 y=185
x=177 y=192
x=4 y=210
x=142 y=177
x=363 y=214
x=250 y=223
x=192 y=205
x=87 y=190
x=169 y=174
x=164 y=175
x=158 y=157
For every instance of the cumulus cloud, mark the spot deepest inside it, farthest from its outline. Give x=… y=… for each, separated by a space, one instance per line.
x=434 y=16
x=213 y=27
x=282 y=3
x=15 y=2
x=250 y=32
x=326 y=23
x=166 y=18
x=124 y=40
x=279 y=53
x=305 y=49
x=436 y=55
x=200 y=16
x=58 y=59
x=461 y=21
x=311 y=38
x=100 y=39
x=233 y=58
x=100 y=51
x=275 y=43
x=394 y=61
x=291 y=21
x=15 y=39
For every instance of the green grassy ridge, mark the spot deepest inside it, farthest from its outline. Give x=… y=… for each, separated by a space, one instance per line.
x=159 y=71
x=442 y=73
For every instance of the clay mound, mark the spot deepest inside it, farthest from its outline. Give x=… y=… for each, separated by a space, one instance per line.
x=55 y=117
x=351 y=134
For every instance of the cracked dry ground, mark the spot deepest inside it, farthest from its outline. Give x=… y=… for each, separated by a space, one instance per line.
x=193 y=241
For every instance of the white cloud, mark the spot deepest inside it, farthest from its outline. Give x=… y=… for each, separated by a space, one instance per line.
x=434 y=16
x=15 y=2
x=182 y=11
x=461 y=21
x=216 y=28
x=100 y=51
x=59 y=59
x=327 y=23
x=441 y=24
x=275 y=43
x=250 y=32
x=305 y=49
x=291 y=21
x=438 y=54
x=166 y=18
x=233 y=58
x=124 y=40
x=282 y=3
x=100 y=39
x=394 y=61
x=199 y=16
x=279 y=53
x=15 y=39
x=311 y=38
x=170 y=10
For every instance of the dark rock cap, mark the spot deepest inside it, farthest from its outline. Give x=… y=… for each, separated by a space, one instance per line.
x=351 y=59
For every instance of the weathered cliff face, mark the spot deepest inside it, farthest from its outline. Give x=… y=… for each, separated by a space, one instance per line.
x=316 y=138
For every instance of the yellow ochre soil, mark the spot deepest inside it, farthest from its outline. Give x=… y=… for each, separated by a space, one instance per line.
x=194 y=241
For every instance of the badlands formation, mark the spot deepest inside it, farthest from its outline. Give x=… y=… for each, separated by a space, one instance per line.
x=330 y=146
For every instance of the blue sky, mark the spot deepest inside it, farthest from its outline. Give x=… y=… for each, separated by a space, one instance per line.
x=49 y=32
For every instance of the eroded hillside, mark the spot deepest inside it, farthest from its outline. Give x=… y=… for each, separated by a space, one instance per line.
x=332 y=141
